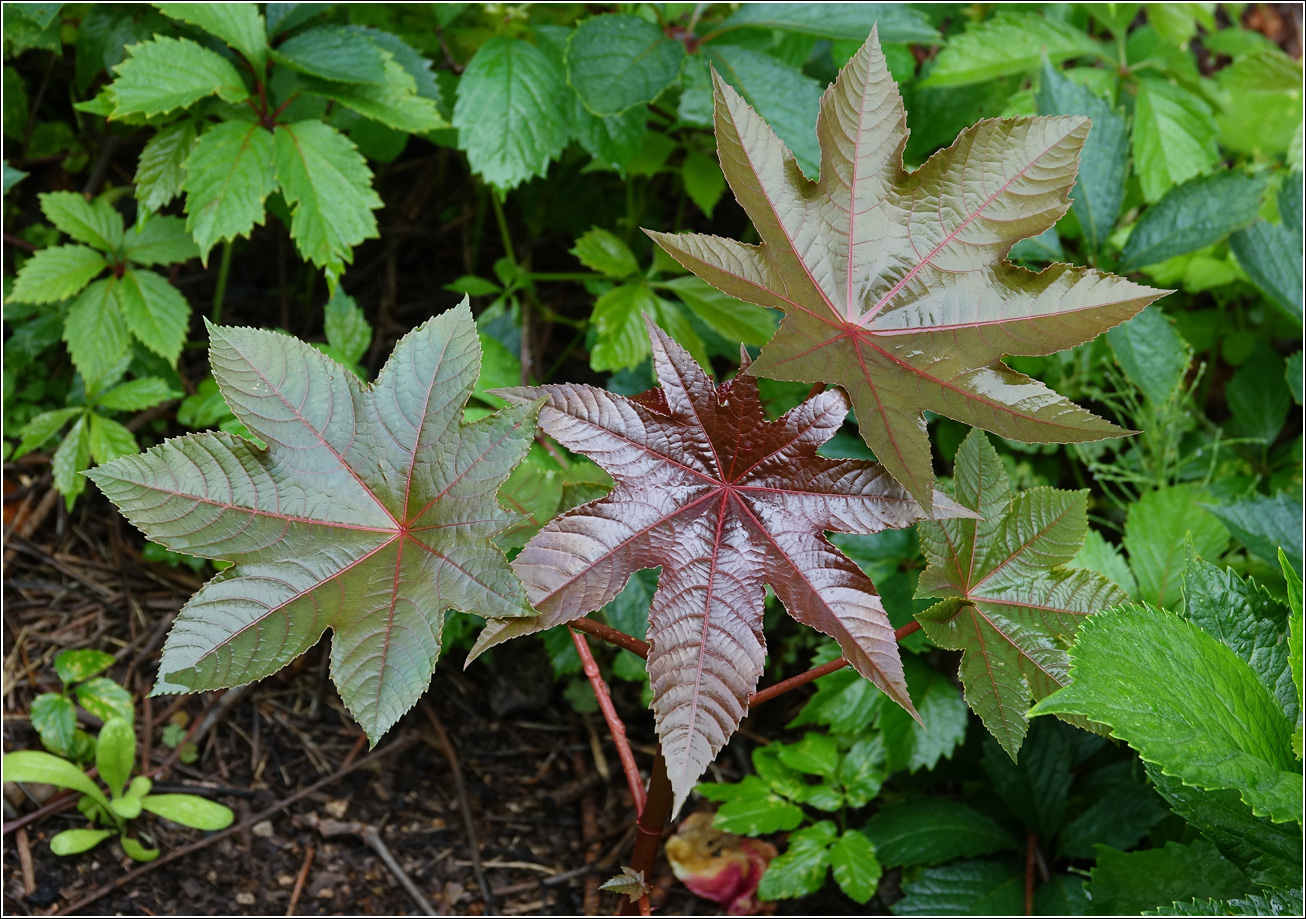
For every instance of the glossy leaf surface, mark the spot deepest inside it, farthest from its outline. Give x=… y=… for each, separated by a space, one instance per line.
x=371 y=512
x=894 y=284
x=724 y=501
x=1010 y=604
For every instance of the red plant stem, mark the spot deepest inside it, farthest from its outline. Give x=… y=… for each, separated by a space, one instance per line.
x=616 y=727
x=1031 y=858
x=648 y=829
x=612 y=636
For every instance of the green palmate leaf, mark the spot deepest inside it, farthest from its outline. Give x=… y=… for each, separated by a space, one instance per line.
x=1157 y=527
x=893 y=283
x=237 y=24
x=919 y=744
x=346 y=327
x=1268 y=853
x=1273 y=903
x=340 y=53
x=1152 y=354
x=1257 y=395
x=1185 y=702
x=1005 y=44
x=371 y=513
x=1174 y=136
x=973 y=888
x=784 y=97
x=55 y=719
x=109 y=440
x=95 y=223
x=847 y=21
x=42 y=427
x=137 y=395
x=1103 y=165
x=928 y=831
x=527 y=91
x=96 y=332
x=618 y=61
x=733 y=319
x=74 y=842
x=326 y=182
x=1264 y=525
x=1196 y=214
x=229 y=174
x=1009 y=604
x=1126 y=883
x=73 y=455
x=171 y=73
x=1270 y=253
x=161 y=169
x=1262 y=104
x=854 y=865
x=189 y=810
x=605 y=253
x=155 y=311
x=56 y=273
x=160 y=241
x=801 y=870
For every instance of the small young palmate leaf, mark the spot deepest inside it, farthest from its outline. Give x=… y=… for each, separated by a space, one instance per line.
x=1009 y=604
x=724 y=501
x=895 y=284
x=372 y=512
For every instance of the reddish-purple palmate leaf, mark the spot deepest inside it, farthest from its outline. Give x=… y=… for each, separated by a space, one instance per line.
x=371 y=512
x=894 y=284
x=724 y=502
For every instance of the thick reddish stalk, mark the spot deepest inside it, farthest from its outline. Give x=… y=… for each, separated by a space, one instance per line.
x=616 y=727
x=648 y=829
x=612 y=636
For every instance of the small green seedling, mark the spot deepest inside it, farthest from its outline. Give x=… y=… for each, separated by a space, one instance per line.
x=54 y=714
x=116 y=812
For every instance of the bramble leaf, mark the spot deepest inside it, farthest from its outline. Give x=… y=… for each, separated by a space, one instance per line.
x=372 y=512
x=1011 y=604
x=1185 y=702
x=94 y=223
x=229 y=174
x=56 y=273
x=894 y=284
x=161 y=241
x=155 y=311
x=724 y=501
x=1174 y=136
x=171 y=73
x=237 y=24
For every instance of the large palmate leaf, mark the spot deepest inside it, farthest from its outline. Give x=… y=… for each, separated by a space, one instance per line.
x=371 y=512
x=1010 y=603
x=724 y=501
x=894 y=284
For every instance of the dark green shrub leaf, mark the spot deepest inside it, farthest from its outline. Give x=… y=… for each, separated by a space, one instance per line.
x=1007 y=43
x=975 y=888
x=927 y=831
x=1264 y=525
x=1196 y=214
x=1127 y=883
x=617 y=61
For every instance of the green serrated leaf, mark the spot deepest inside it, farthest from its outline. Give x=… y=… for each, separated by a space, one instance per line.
x=733 y=319
x=42 y=427
x=94 y=223
x=620 y=338
x=855 y=867
x=161 y=241
x=527 y=91
x=1156 y=527
x=347 y=329
x=56 y=273
x=137 y=395
x=340 y=53
x=1194 y=215
x=161 y=168
x=1185 y=702
x=73 y=455
x=155 y=311
x=237 y=24
x=329 y=187
x=1007 y=43
x=96 y=332
x=1152 y=354
x=847 y=21
x=1269 y=252
x=110 y=440
x=1264 y=525
x=1120 y=816
x=1101 y=556
x=1126 y=883
x=618 y=61
x=911 y=744
x=969 y=888
x=170 y=73
x=815 y=754
x=1035 y=786
x=703 y=180
x=229 y=174
x=1174 y=136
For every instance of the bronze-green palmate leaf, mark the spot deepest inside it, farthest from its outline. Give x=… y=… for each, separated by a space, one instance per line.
x=371 y=512
x=894 y=284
